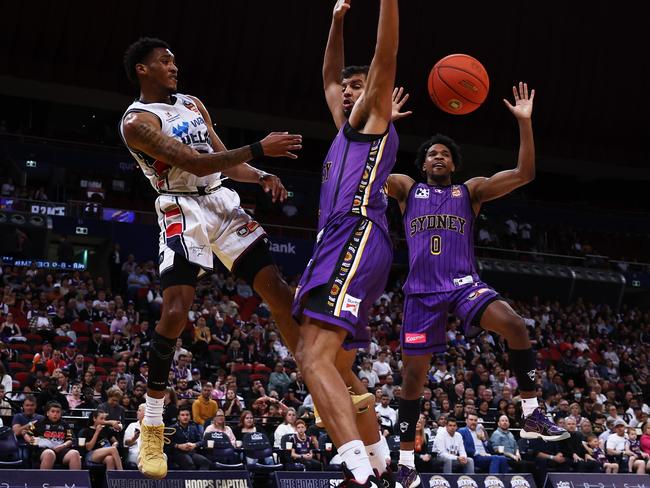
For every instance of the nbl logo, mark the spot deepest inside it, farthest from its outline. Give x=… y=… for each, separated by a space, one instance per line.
x=519 y=482
x=438 y=482
x=466 y=482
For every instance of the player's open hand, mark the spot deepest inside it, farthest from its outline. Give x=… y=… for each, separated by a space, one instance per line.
x=279 y=144
x=274 y=186
x=399 y=99
x=523 y=107
x=341 y=8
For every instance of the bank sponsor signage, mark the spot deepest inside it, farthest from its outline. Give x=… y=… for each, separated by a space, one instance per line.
x=35 y=478
x=597 y=480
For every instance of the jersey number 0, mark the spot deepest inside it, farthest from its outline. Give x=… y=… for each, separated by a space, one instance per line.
x=436 y=245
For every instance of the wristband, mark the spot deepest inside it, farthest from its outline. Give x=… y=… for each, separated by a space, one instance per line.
x=257 y=150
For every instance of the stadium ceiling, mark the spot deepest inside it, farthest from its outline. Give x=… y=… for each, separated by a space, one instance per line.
x=587 y=61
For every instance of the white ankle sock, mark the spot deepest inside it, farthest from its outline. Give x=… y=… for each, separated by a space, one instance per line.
x=528 y=405
x=153 y=411
x=354 y=455
x=378 y=453
x=407 y=458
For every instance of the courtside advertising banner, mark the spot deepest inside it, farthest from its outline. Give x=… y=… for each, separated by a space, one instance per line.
x=314 y=479
x=179 y=479
x=477 y=480
x=35 y=478
x=597 y=480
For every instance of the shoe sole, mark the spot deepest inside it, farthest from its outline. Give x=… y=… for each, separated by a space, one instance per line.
x=361 y=402
x=548 y=438
x=151 y=476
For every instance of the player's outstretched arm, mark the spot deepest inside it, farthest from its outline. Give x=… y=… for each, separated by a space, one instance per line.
x=398 y=187
x=372 y=112
x=334 y=62
x=485 y=189
x=142 y=132
x=244 y=173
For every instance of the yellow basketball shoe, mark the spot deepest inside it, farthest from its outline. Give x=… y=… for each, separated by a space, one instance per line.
x=360 y=402
x=152 y=461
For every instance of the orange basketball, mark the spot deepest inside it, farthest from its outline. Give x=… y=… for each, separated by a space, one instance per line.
x=458 y=84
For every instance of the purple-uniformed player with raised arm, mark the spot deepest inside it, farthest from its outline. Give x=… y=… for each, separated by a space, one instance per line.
x=353 y=253
x=439 y=224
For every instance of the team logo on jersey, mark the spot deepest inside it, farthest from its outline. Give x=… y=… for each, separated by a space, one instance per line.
x=439 y=190
x=456 y=192
x=190 y=106
x=335 y=290
x=351 y=304
x=422 y=193
x=181 y=129
x=246 y=229
x=411 y=338
x=475 y=294
x=348 y=256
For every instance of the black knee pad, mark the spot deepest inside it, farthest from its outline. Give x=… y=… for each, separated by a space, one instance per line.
x=161 y=354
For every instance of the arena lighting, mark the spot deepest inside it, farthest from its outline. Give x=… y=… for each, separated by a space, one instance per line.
x=30 y=163
x=81 y=231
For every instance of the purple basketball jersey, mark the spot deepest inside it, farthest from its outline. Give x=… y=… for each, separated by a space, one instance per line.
x=354 y=174
x=439 y=225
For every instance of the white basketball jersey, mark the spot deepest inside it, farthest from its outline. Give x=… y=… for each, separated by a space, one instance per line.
x=181 y=120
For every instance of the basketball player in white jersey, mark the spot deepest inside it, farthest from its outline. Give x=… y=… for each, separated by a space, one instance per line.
x=172 y=138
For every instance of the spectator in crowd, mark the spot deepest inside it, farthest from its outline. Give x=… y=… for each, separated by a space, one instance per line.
x=232 y=405
x=424 y=461
x=246 y=425
x=386 y=414
x=450 y=448
x=132 y=438
x=204 y=407
x=475 y=443
x=574 y=450
x=503 y=442
x=219 y=425
x=53 y=439
x=5 y=379
x=279 y=380
x=598 y=454
x=10 y=330
x=288 y=426
x=638 y=460
x=368 y=373
x=302 y=448
x=22 y=422
x=74 y=398
x=185 y=443
x=170 y=408
x=42 y=357
x=51 y=393
x=381 y=365
x=115 y=412
x=100 y=442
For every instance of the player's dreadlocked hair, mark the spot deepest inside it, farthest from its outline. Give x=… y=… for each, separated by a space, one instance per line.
x=137 y=52
x=454 y=149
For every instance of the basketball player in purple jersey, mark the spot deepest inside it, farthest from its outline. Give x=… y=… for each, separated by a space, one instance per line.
x=439 y=223
x=348 y=270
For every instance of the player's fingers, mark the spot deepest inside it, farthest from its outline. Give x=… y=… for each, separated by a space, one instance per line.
x=515 y=93
x=532 y=94
x=284 y=194
x=526 y=90
x=295 y=147
x=508 y=104
x=394 y=94
x=290 y=155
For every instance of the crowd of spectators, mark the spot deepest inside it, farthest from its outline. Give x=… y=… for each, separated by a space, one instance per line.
x=73 y=347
